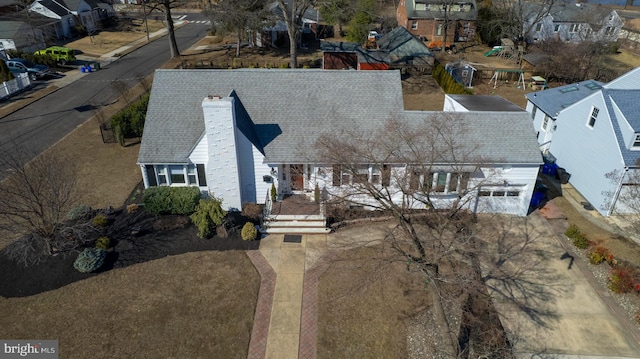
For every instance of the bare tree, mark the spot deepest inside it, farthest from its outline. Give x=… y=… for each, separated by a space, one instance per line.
x=623 y=197
x=425 y=176
x=292 y=12
x=165 y=6
x=512 y=19
x=240 y=16
x=36 y=194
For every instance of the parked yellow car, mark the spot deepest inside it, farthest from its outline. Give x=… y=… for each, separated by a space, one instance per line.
x=61 y=54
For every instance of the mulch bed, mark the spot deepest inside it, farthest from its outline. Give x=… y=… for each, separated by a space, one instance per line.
x=137 y=238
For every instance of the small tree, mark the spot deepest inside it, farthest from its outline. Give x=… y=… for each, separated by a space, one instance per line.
x=37 y=193
x=208 y=215
x=241 y=16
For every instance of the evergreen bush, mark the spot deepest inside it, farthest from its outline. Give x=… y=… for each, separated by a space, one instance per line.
x=249 y=232
x=129 y=122
x=103 y=243
x=448 y=83
x=208 y=215
x=79 y=212
x=5 y=74
x=89 y=260
x=157 y=200
x=184 y=199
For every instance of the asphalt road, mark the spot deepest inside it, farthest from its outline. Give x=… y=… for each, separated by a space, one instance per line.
x=46 y=121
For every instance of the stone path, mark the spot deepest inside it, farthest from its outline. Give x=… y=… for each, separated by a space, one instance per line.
x=285 y=325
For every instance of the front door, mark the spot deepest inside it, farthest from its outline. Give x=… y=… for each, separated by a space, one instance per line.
x=296 y=173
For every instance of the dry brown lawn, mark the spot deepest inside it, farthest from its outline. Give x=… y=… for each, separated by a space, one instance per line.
x=186 y=306
x=111 y=39
x=366 y=306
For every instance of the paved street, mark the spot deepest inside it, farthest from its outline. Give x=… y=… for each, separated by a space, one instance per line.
x=46 y=121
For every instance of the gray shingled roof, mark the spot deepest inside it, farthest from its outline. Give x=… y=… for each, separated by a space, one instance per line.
x=364 y=55
x=300 y=103
x=554 y=100
x=569 y=12
x=627 y=102
x=290 y=109
x=404 y=46
x=500 y=137
x=486 y=103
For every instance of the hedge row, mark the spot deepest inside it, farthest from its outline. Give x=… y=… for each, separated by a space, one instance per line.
x=129 y=122
x=171 y=200
x=448 y=83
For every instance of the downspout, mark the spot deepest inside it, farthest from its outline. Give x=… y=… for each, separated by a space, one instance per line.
x=614 y=200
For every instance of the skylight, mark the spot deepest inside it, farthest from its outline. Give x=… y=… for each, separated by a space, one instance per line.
x=592 y=86
x=569 y=89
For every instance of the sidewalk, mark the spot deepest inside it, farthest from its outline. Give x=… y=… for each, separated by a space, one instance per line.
x=41 y=90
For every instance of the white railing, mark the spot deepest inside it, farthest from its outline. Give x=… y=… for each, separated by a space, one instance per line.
x=20 y=82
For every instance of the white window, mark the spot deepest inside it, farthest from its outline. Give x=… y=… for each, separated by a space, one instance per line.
x=636 y=141
x=593 y=117
x=609 y=31
x=362 y=176
x=375 y=175
x=177 y=174
x=414 y=25
x=545 y=123
x=421 y=7
x=162 y=175
x=191 y=175
x=538 y=27
x=533 y=112
x=556 y=28
x=574 y=27
x=439 y=30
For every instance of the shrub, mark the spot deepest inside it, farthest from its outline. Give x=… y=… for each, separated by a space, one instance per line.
x=274 y=192
x=208 y=215
x=129 y=122
x=581 y=242
x=184 y=199
x=572 y=231
x=133 y=207
x=79 y=212
x=316 y=194
x=157 y=200
x=89 y=260
x=251 y=210
x=448 y=83
x=249 y=232
x=5 y=74
x=621 y=279
x=103 y=243
x=599 y=254
x=171 y=200
x=100 y=220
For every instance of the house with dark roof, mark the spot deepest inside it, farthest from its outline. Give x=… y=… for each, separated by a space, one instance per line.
x=572 y=22
x=426 y=19
x=20 y=35
x=467 y=103
x=352 y=56
x=593 y=130
x=406 y=50
x=235 y=133
x=88 y=13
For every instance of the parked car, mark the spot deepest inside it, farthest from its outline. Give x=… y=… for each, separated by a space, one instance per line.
x=62 y=55
x=35 y=71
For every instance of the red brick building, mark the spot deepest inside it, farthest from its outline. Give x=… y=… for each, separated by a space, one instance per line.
x=426 y=19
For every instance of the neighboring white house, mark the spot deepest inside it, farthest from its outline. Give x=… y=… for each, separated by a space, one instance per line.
x=235 y=132
x=19 y=35
x=592 y=129
x=572 y=22
x=88 y=13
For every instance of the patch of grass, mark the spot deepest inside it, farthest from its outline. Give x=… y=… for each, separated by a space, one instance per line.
x=365 y=306
x=185 y=306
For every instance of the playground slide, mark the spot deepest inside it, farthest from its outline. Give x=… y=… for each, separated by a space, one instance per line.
x=493 y=51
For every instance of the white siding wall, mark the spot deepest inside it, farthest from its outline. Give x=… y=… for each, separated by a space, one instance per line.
x=544 y=136
x=517 y=178
x=246 y=167
x=452 y=105
x=587 y=153
x=222 y=163
x=261 y=170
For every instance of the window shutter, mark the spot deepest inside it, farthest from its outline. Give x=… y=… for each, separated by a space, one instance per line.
x=202 y=176
x=151 y=175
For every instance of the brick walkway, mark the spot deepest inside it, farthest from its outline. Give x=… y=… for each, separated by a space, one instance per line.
x=309 y=319
x=259 y=334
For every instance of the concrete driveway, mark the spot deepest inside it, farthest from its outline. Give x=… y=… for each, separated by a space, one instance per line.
x=581 y=326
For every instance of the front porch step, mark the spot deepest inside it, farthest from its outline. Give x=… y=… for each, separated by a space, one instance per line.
x=296 y=230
